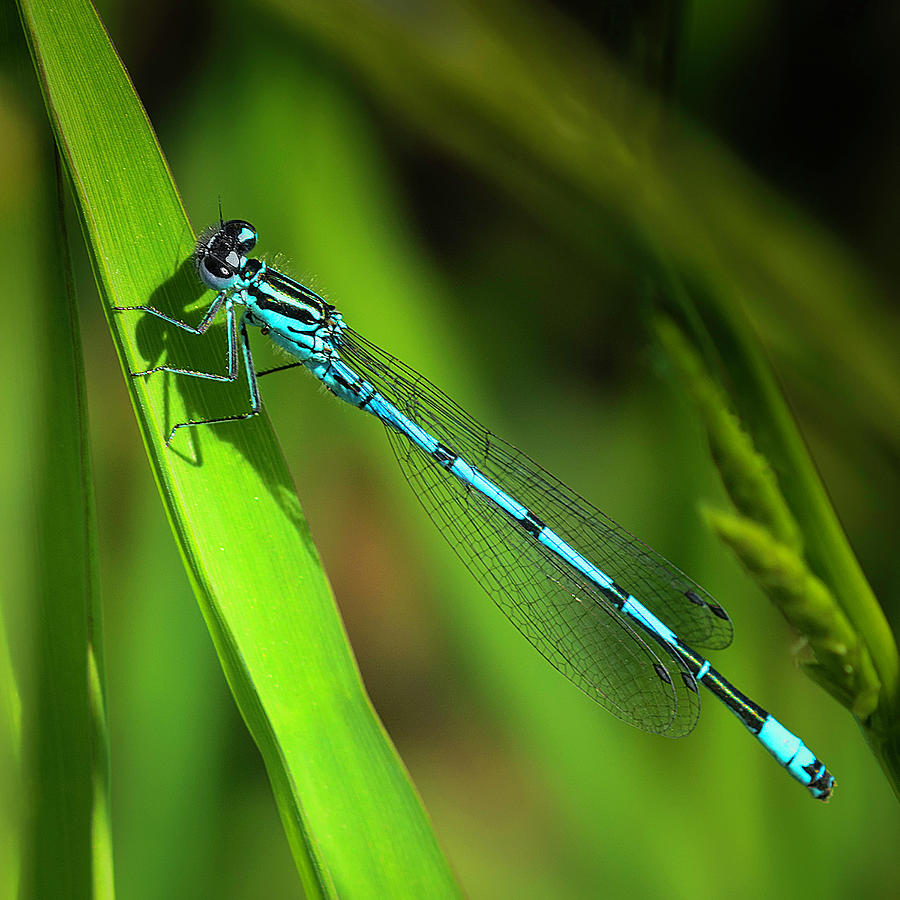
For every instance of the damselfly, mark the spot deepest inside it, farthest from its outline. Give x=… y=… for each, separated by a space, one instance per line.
x=602 y=607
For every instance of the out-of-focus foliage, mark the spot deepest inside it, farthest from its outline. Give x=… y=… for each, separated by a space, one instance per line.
x=427 y=167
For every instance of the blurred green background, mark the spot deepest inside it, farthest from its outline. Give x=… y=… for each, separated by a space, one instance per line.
x=435 y=214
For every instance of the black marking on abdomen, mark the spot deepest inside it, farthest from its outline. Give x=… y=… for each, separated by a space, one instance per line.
x=444 y=456
x=823 y=782
x=620 y=592
x=617 y=600
x=752 y=725
x=531 y=523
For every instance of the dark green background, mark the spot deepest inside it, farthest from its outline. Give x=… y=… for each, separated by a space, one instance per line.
x=540 y=329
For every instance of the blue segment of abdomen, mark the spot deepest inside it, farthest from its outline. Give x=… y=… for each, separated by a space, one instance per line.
x=552 y=541
x=344 y=382
x=790 y=751
x=643 y=615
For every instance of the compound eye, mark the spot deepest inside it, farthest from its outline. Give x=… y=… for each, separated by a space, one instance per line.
x=216 y=274
x=217 y=269
x=242 y=234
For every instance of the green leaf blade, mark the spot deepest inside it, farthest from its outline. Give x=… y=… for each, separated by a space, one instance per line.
x=354 y=821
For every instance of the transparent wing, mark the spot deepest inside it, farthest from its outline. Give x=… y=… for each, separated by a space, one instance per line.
x=564 y=615
x=689 y=610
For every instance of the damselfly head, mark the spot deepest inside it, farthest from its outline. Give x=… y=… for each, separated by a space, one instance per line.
x=221 y=253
